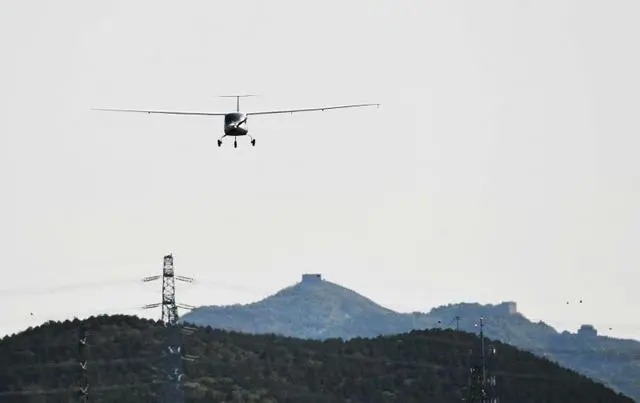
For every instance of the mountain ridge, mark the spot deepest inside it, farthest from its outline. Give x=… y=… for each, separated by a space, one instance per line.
x=315 y=308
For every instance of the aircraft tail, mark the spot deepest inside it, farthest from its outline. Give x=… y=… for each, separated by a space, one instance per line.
x=237 y=97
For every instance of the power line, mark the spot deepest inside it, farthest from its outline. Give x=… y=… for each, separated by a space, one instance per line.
x=68 y=287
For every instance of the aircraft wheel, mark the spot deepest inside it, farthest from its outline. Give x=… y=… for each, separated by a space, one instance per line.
x=219 y=143
x=235 y=144
x=253 y=142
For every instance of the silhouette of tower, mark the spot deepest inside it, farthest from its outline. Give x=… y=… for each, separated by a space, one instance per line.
x=172 y=370
x=83 y=387
x=482 y=386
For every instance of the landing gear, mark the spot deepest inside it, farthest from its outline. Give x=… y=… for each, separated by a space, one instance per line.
x=235 y=141
x=220 y=140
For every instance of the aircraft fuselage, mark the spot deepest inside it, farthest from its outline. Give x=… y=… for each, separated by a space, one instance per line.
x=235 y=124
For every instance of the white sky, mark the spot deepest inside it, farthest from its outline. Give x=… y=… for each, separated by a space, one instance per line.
x=501 y=166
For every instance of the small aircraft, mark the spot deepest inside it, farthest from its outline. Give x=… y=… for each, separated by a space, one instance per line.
x=235 y=123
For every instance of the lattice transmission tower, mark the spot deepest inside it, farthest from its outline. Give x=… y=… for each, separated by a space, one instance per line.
x=172 y=357
x=83 y=377
x=482 y=385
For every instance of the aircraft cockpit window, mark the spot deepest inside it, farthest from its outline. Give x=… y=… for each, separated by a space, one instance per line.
x=232 y=118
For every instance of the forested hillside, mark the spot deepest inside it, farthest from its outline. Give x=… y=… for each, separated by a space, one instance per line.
x=41 y=365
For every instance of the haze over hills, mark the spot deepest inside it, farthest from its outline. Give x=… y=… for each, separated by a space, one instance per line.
x=318 y=309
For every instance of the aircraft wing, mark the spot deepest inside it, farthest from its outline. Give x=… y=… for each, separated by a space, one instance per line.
x=164 y=112
x=310 y=109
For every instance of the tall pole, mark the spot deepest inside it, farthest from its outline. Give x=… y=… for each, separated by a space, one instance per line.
x=173 y=360
x=169 y=308
x=484 y=376
x=83 y=391
x=481 y=386
x=44 y=373
x=172 y=351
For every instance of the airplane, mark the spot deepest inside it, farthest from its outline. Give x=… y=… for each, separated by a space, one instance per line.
x=235 y=123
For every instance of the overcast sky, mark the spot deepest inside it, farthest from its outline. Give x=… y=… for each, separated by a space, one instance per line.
x=502 y=164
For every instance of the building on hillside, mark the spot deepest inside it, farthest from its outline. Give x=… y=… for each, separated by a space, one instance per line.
x=587 y=331
x=311 y=278
x=507 y=308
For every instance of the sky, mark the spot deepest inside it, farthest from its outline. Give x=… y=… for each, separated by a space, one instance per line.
x=501 y=166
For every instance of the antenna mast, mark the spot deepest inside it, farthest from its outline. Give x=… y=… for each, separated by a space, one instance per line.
x=482 y=388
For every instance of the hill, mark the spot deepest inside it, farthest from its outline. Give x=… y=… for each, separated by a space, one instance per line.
x=40 y=365
x=616 y=362
x=311 y=309
x=318 y=309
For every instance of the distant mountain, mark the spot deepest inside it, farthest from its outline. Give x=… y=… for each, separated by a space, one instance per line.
x=318 y=309
x=311 y=309
x=124 y=364
x=616 y=362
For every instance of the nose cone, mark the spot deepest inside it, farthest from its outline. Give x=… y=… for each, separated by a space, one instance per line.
x=233 y=129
